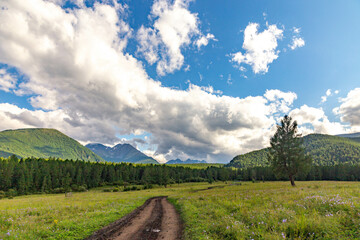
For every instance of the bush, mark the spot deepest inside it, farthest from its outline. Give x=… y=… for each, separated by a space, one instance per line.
x=148 y=186
x=58 y=190
x=2 y=194
x=107 y=190
x=82 y=188
x=11 y=193
x=116 y=190
x=76 y=188
x=133 y=188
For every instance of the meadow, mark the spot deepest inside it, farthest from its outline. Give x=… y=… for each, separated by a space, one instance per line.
x=233 y=210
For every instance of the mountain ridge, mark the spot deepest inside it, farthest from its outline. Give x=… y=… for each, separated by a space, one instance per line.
x=43 y=143
x=188 y=161
x=120 y=153
x=325 y=150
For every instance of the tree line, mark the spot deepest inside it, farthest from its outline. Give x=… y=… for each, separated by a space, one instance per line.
x=38 y=175
x=340 y=172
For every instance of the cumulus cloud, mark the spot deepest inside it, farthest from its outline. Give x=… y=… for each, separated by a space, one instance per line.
x=349 y=110
x=173 y=29
x=316 y=118
x=260 y=47
x=204 y=40
x=7 y=81
x=82 y=81
x=297 y=42
x=328 y=94
x=280 y=100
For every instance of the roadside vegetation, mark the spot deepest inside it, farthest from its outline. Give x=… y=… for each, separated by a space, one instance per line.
x=270 y=210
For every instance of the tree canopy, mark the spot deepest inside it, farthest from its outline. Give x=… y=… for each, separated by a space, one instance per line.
x=287 y=154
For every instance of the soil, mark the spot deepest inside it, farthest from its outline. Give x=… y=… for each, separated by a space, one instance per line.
x=156 y=219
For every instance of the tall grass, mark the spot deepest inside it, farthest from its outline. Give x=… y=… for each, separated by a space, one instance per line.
x=273 y=210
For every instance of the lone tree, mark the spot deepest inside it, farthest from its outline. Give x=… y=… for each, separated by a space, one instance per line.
x=287 y=155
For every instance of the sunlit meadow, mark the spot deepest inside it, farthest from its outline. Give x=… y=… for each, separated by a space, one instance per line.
x=270 y=210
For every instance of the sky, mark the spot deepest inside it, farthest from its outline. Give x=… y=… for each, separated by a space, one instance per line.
x=200 y=79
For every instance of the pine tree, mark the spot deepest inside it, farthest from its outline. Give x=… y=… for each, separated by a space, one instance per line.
x=287 y=155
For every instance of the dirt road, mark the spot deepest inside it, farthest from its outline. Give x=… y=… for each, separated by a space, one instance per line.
x=156 y=219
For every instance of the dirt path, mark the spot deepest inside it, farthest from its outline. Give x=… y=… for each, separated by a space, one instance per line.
x=156 y=219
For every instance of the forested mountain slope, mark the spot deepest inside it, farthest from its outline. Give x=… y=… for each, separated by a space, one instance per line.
x=325 y=150
x=43 y=143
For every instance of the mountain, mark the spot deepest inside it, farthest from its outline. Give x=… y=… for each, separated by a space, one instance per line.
x=350 y=135
x=43 y=143
x=120 y=153
x=325 y=150
x=188 y=161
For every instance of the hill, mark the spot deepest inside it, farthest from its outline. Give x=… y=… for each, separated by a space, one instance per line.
x=120 y=153
x=325 y=150
x=43 y=143
x=350 y=135
x=188 y=161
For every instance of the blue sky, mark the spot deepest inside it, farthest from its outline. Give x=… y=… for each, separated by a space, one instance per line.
x=109 y=72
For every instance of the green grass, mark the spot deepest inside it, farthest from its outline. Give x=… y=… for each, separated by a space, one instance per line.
x=271 y=210
x=43 y=143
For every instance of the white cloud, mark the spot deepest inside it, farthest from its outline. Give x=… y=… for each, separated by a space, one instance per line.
x=323 y=99
x=260 y=47
x=149 y=44
x=7 y=81
x=204 y=40
x=173 y=29
x=296 y=30
x=328 y=94
x=297 y=42
x=317 y=119
x=280 y=100
x=83 y=83
x=349 y=109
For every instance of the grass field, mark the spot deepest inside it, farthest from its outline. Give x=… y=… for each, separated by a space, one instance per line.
x=271 y=210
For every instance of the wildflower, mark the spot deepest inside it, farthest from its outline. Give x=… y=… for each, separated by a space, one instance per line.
x=55 y=221
x=284 y=220
x=227 y=227
x=283 y=235
x=8 y=233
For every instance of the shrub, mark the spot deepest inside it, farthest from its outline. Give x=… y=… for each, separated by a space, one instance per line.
x=2 y=194
x=148 y=186
x=58 y=190
x=77 y=188
x=11 y=193
x=82 y=188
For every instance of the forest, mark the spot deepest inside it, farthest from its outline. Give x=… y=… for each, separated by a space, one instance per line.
x=38 y=175
x=325 y=150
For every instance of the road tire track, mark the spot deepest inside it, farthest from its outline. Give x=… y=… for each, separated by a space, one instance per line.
x=156 y=219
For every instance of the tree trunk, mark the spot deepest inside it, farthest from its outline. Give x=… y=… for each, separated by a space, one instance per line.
x=292 y=180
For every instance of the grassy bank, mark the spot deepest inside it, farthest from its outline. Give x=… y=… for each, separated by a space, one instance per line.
x=272 y=210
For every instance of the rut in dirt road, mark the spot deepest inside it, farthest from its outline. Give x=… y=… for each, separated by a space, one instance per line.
x=156 y=219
